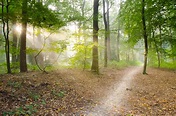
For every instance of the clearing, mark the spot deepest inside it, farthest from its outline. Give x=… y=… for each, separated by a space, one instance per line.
x=115 y=92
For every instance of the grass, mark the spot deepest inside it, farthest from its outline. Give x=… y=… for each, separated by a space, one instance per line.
x=123 y=64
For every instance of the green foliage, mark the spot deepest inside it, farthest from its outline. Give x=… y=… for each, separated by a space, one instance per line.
x=169 y=65
x=164 y=64
x=32 y=67
x=44 y=17
x=31 y=50
x=34 y=96
x=123 y=64
x=57 y=46
x=14 y=84
x=82 y=57
x=58 y=94
x=26 y=110
x=15 y=67
x=159 y=21
x=3 y=67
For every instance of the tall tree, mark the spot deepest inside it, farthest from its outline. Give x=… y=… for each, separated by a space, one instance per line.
x=106 y=38
x=6 y=30
x=144 y=36
x=14 y=44
x=118 y=36
x=95 y=65
x=107 y=32
x=23 y=64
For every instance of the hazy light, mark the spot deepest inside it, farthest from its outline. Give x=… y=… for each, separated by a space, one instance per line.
x=117 y=95
x=52 y=7
x=18 y=28
x=73 y=27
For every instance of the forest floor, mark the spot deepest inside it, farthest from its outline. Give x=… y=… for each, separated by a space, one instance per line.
x=72 y=92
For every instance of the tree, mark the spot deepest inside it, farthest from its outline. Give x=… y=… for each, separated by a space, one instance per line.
x=6 y=30
x=95 y=66
x=107 y=32
x=14 y=44
x=23 y=63
x=144 y=36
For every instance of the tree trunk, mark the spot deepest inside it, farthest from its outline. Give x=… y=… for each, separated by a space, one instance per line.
x=23 y=64
x=107 y=55
x=160 y=44
x=106 y=38
x=118 y=45
x=145 y=37
x=95 y=66
x=118 y=38
x=108 y=31
x=6 y=34
x=14 y=44
x=157 y=50
x=85 y=43
x=172 y=45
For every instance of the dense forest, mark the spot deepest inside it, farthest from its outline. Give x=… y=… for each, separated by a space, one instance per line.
x=51 y=49
x=45 y=34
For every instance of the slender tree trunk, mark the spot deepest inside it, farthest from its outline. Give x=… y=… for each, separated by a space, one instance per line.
x=160 y=43
x=85 y=43
x=118 y=45
x=23 y=64
x=118 y=38
x=145 y=37
x=95 y=66
x=106 y=37
x=108 y=31
x=172 y=45
x=107 y=55
x=6 y=34
x=14 y=44
x=157 y=50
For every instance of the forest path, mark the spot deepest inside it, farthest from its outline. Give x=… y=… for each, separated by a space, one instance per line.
x=116 y=96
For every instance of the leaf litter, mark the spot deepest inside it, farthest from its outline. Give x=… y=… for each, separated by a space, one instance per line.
x=74 y=92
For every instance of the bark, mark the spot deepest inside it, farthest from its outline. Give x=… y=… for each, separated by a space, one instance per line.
x=95 y=66
x=23 y=64
x=118 y=45
x=172 y=44
x=106 y=38
x=157 y=50
x=6 y=34
x=118 y=38
x=145 y=37
x=108 y=31
x=107 y=55
x=85 y=45
x=160 y=42
x=14 y=44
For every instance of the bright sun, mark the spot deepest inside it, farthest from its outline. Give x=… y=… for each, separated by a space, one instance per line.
x=18 y=28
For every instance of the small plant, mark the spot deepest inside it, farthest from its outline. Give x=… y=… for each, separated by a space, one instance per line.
x=30 y=109
x=14 y=84
x=34 y=96
x=26 y=110
x=58 y=94
x=43 y=102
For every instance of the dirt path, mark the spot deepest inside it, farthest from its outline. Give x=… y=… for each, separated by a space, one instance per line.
x=116 y=96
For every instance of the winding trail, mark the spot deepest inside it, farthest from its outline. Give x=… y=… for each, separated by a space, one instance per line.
x=116 y=96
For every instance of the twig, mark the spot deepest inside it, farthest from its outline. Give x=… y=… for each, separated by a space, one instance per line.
x=44 y=44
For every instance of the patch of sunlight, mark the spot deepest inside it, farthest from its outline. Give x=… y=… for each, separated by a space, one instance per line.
x=18 y=28
x=116 y=95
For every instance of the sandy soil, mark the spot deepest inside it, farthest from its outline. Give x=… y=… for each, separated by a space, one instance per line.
x=115 y=92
